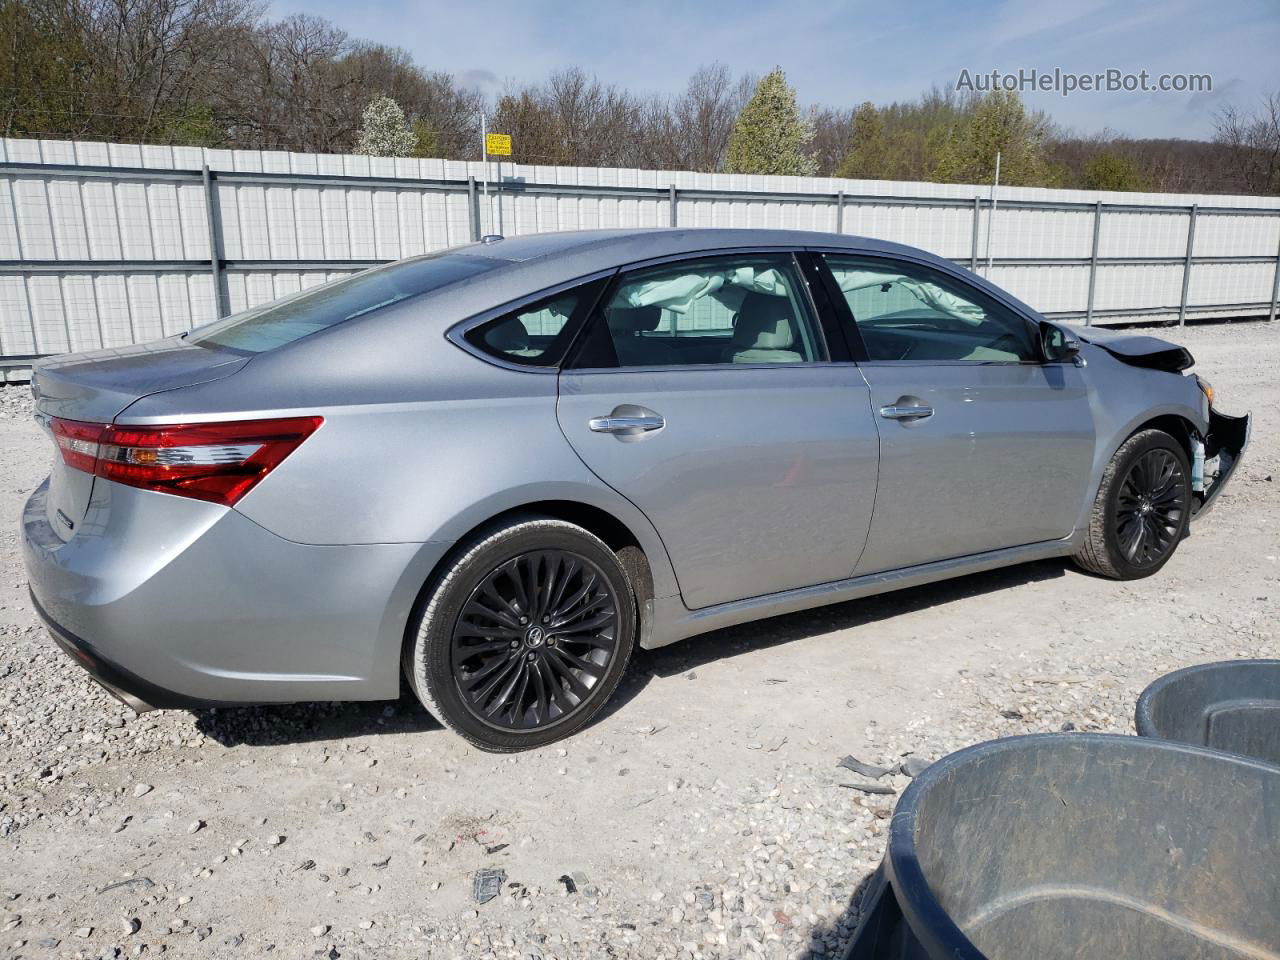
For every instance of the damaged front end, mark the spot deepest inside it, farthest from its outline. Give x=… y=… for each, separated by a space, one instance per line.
x=1217 y=457
x=1140 y=350
x=1214 y=456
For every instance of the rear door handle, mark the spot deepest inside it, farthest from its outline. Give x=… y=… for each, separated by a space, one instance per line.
x=895 y=412
x=626 y=424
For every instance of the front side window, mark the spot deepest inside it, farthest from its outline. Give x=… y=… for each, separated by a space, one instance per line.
x=906 y=312
x=748 y=309
x=318 y=308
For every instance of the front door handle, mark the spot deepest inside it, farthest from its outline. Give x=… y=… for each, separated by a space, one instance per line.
x=626 y=425
x=896 y=412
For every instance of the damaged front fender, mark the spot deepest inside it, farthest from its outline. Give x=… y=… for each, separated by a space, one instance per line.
x=1140 y=350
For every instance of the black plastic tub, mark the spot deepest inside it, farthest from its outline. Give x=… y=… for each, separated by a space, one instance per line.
x=1080 y=847
x=1232 y=706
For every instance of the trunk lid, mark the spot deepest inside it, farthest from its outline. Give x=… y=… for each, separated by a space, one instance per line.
x=95 y=387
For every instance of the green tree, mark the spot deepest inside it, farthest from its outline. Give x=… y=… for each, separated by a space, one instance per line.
x=771 y=136
x=384 y=132
x=426 y=140
x=869 y=153
x=1109 y=170
x=999 y=124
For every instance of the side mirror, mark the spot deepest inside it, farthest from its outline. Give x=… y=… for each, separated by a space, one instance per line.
x=1057 y=345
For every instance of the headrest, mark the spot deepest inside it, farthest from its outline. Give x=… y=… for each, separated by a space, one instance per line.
x=634 y=319
x=508 y=337
x=764 y=323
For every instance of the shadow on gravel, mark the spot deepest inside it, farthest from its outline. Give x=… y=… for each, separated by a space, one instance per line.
x=763 y=634
x=304 y=722
x=824 y=937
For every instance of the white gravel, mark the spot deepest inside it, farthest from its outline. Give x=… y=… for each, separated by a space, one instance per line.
x=704 y=817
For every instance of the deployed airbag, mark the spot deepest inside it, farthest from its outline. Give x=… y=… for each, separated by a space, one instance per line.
x=850 y=279
x=679 y=293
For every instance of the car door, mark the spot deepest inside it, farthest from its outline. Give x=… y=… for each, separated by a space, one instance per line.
x=982 y=445
x=702 y=390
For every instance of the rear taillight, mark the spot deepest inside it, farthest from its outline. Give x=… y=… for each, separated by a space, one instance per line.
x=218 y=462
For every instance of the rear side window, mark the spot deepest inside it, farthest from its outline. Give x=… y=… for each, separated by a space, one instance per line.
x=283 y=321
x=537 y=334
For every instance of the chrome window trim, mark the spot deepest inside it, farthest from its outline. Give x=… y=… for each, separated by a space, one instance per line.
x=960 y=363
x=685 y=367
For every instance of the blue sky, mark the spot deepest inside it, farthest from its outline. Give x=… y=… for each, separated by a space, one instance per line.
x=842 y=53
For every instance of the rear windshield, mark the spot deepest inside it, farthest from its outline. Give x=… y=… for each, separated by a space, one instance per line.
x=283 y=321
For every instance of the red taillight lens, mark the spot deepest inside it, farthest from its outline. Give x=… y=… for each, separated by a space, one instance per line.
x=78 y=442
x=218 y=462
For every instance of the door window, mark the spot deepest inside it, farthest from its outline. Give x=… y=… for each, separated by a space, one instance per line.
x=906 y=312
x=748 y=309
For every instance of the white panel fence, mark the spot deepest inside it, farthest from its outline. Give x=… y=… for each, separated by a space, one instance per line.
x=109 y=244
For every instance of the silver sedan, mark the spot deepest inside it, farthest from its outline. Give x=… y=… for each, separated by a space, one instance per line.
x=498 y=468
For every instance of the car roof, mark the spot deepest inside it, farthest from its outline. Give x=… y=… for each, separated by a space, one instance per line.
x=617 y=247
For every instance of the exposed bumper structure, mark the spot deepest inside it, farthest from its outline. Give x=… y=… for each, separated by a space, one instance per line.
x=1227 y=439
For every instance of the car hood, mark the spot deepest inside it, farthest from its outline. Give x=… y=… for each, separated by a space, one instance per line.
x=1139 y=350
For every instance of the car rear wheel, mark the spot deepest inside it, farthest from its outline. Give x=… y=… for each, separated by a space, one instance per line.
x=1142 y=509
x=524 y=636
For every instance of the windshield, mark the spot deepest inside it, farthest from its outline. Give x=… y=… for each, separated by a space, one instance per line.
x=318 y=308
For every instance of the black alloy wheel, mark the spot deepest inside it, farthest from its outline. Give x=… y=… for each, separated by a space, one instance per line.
x=1150 y=507
x=533 y=639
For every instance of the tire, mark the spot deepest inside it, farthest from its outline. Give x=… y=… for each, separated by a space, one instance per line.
x=1142 y=509
x=467 y=647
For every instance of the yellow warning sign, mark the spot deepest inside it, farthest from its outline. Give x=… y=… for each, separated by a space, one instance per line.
x=498 y=144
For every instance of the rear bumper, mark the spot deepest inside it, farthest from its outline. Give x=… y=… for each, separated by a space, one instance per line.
x=127 y=687
x=1227 y=439
x=171 y=602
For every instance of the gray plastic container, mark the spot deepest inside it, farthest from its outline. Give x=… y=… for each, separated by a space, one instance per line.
x=1080 y=847
x=1232 y=706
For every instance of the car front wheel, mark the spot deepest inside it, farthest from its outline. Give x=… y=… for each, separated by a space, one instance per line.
x=1142 y=508
x=524 y=636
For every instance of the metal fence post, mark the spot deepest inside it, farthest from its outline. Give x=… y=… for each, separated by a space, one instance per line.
x=840 y=212
x=1186 y=267
x=31 y=315
x=473 y=208
x=1093 y=262
x=215 y=242
x=973 y=243
x=1275 y=288
x=671 y=200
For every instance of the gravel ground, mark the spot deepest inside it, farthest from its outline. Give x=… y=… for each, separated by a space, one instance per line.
x=704 y=816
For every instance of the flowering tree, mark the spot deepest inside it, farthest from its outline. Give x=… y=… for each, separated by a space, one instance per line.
x=771 y=136
x=384 y=132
